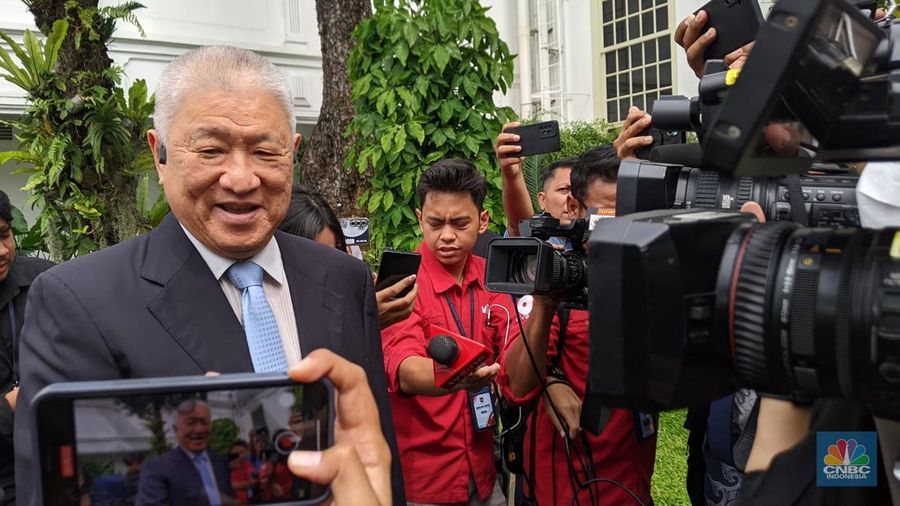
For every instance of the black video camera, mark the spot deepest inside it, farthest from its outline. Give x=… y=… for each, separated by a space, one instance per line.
x=530 y=265
x=829 y=199
x=699 y=302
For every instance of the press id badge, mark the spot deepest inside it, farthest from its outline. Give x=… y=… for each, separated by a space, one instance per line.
x=645 y=425
x=482 y=406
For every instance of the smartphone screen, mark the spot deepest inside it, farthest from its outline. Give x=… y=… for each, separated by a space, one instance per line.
x=222 y=446
x=396 y=265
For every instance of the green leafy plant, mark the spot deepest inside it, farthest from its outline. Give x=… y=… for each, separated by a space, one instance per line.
x=223 y=434
x=575 y=138
x=81 y=138
x=423 y=74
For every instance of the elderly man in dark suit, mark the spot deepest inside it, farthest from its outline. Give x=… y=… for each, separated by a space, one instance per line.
x=214 y=287
x=190 y=474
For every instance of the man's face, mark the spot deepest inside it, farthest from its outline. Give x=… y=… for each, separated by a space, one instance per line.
x=600 y=194
x=556 y=191
x=451 y=223
x=7 y=248
x=229 y=169
x=192 y=429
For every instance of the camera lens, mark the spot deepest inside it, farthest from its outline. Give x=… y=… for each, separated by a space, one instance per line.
x=525 y=269
x=806 y=310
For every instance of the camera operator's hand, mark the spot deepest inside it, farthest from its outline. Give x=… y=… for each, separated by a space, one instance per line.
x=629 y=138
x=391 y=310
x=478 y=379
x=569 y=406
x=510 y=164
x=694 y=40
x=779 y=427
x=358 y=466
x=738 y=58
x=11 y=397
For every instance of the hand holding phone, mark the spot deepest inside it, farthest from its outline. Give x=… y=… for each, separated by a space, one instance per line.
x=395 y=267
x=75 y=422
x=537 y=138
x=358 y=465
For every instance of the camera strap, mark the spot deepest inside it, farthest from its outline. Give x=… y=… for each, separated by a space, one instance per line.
x=795 y=197
x=459 y=323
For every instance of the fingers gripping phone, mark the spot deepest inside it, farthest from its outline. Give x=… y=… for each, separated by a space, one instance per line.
x=396 y=265
x=736 y=23
x=180 y=440
x=537 y=138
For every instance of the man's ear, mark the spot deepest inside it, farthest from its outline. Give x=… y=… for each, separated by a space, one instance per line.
x=419 y=215
x=155 y=143
x=297 y=139
x=484 y=219
x=572 y=206
x=542 y=200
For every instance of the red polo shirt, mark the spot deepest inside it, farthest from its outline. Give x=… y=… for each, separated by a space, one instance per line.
x=617 y=454
x=439 y=447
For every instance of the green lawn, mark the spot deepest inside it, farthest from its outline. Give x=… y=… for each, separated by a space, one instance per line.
x=671 y=461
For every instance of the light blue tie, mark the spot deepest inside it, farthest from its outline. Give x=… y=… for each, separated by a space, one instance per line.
x=260 y=326
x=209 y=483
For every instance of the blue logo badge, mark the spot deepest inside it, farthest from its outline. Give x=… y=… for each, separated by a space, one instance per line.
x=846 y=459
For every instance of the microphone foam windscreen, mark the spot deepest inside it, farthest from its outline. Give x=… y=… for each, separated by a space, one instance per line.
x=443 y=349
x=689 y=155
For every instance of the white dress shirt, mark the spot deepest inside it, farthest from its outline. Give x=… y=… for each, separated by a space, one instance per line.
x=275 y=286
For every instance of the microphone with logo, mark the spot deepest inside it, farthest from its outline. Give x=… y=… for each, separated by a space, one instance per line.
x=455 y=356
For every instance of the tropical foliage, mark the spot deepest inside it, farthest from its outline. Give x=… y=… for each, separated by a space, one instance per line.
x=423 y=75
x=81 y=138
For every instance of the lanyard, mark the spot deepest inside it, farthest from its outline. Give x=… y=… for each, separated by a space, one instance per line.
x=11 y=361
x=456 y=317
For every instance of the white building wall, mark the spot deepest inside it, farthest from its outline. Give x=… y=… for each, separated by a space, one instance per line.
x=578 y=54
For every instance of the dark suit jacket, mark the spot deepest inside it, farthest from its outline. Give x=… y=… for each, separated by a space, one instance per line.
x=151 y=307
x=13 y=294
x=172 y=479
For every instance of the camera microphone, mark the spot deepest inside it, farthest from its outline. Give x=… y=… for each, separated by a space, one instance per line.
x=688 y=155
x=455 y=357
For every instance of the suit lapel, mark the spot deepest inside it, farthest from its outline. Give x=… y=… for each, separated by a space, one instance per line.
x=319 y=311
x=191 y=305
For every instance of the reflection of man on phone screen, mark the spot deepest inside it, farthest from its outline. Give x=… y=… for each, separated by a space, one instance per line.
x=190 y=473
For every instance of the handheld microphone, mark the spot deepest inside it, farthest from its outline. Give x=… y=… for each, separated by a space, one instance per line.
x=454 y=356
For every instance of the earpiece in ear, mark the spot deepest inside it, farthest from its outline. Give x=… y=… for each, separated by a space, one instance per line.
x=162 y=154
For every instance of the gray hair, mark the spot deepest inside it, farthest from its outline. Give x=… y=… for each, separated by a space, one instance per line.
x=220 y=67
x=187 y=407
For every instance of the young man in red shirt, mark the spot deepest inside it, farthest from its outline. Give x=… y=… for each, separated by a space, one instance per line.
x=626 y=448
x=445 y=458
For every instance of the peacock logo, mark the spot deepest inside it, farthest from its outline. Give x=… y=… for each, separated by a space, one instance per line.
x=847 y=459
x=846 y=452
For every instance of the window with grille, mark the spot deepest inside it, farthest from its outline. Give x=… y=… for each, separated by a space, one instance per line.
x=546 y=61
x=637 y=54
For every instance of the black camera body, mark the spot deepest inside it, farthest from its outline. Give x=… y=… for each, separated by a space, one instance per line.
x=829 y=199
x=698 y=303
x=530 y=265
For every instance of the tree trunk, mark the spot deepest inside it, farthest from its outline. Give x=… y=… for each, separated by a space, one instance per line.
x=322 y=162
x=89 y=61
x=90 y=55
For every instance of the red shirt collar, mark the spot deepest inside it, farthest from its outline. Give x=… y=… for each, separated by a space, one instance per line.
x=443 y=280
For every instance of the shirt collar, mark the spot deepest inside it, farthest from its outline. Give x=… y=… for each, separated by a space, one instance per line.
x=191 y=455
x=269 y=259
x=443 y=280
